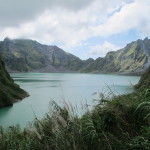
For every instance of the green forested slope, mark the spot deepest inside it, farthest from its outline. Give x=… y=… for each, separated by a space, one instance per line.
x=133 y=58
x=144 y=82
x=9 y=91
x=28 y=55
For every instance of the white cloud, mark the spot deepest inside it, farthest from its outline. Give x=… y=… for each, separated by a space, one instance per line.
x=14 y=12
x=71 y=23
x=101 y=50
x=68 y=27
x=133 y=15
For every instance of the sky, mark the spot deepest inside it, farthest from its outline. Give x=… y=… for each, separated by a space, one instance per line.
x=85 y=28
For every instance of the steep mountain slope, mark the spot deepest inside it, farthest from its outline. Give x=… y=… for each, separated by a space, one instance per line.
x=144 y=82
x=9 y=91
x=28 y=55
x=134 y=58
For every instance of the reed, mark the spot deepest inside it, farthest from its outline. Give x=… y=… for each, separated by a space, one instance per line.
x=116 y=123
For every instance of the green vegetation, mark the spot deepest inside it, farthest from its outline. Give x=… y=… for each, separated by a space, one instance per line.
x=144 y=82
x=116 y=123
x=9 y=91
x=130 y=59
x=28 y=56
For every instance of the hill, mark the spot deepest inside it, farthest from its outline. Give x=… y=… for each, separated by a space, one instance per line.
x=22 y=55
x=134 y=58
x=9 y=91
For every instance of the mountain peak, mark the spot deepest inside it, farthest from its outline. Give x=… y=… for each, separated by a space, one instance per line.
x=7 y=39
x=146 y=39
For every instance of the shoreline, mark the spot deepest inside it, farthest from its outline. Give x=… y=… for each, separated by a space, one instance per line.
x=74 y=72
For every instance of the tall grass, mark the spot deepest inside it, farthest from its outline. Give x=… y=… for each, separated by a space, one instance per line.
x=117 y=123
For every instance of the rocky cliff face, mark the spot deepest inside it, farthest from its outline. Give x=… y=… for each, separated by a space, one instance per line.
x=31 y=56
x=134 y=58
x=9 y=91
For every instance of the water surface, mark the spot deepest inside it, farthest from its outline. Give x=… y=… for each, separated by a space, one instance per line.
x=77 y=88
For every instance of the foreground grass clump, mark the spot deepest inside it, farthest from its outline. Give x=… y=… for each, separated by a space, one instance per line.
x=117 y=123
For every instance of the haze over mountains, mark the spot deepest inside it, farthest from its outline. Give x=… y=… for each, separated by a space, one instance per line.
x=23 y=55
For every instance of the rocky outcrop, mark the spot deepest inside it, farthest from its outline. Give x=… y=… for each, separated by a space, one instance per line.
x=9 y=91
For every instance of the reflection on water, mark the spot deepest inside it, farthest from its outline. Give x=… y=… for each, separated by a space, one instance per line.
x=5 y=111
x=77 y=88
x=37 y=80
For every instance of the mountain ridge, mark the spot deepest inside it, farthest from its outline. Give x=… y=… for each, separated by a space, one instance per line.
x=24 y=55
x=132 y=59
x=28 y=55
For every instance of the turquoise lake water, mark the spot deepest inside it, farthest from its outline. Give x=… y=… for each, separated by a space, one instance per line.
x=78 y=89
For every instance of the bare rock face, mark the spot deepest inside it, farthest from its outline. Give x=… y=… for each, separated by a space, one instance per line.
x=9 y=91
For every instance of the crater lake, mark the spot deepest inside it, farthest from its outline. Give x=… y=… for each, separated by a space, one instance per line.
x=72 y=88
